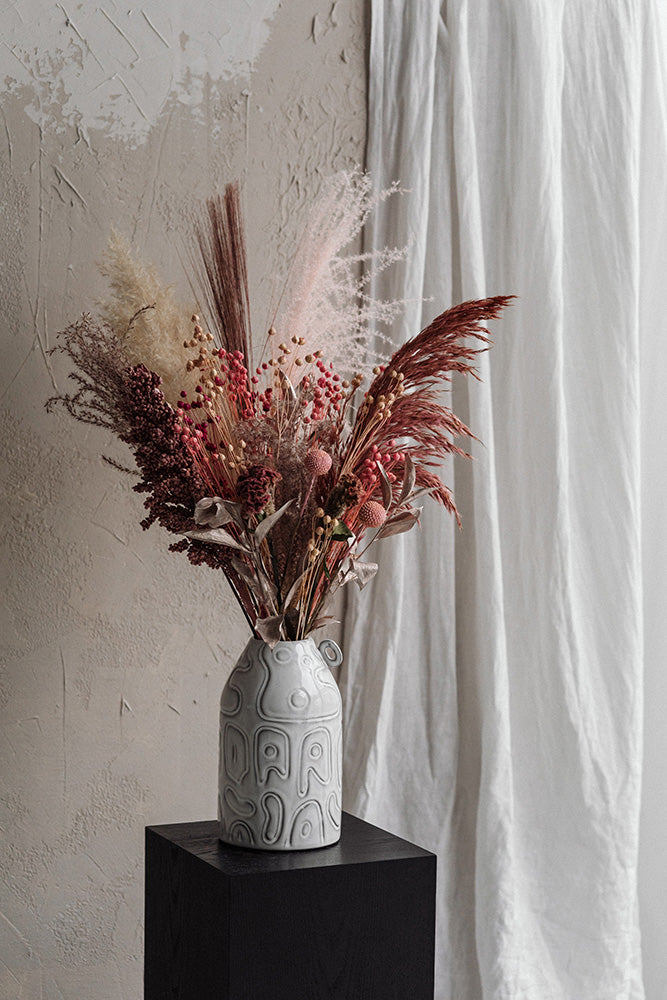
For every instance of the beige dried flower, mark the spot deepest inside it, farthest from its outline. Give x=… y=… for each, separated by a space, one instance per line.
x=151 y=336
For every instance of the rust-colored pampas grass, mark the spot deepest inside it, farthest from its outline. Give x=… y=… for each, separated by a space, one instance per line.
x=405 y=399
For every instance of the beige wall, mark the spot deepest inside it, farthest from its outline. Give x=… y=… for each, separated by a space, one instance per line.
x=114 y=651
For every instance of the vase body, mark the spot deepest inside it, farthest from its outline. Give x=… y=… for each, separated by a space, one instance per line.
x=279 y=783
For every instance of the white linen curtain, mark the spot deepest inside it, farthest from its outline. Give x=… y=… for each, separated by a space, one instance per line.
x=493 y=684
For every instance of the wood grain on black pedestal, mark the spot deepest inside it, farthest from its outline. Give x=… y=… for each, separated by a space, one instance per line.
x=354 y=921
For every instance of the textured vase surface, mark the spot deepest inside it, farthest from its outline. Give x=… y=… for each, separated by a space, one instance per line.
x=281 y=748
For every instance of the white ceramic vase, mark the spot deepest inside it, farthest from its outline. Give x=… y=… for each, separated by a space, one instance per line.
x=281 y=748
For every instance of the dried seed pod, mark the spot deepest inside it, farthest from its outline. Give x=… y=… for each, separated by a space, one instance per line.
x=317 y=462
x=372 y=514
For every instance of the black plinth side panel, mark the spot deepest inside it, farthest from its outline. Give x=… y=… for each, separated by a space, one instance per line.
x=355 y=921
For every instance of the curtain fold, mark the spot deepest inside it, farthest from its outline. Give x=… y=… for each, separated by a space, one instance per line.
x=493 y=687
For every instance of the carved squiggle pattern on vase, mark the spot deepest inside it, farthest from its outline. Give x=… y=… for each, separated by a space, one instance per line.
x=280 y=748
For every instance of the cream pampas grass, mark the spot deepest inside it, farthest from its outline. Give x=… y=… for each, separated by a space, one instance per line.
x=145 y=315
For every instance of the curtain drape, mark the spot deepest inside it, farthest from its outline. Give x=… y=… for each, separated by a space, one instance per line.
x=493 y=686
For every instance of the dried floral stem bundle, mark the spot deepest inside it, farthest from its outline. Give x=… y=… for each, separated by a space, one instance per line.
x=280 y=474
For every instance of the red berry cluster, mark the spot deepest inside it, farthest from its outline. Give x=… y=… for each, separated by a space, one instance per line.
x=369 y=474
x=324 y=393
x=192 y=431
x=168 y=475
x=265 y=399
x=235 y=382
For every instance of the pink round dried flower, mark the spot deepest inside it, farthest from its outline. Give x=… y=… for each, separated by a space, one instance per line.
x=317 y=462
x=372 y=514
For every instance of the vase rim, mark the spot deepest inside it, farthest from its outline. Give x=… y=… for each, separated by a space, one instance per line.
x=282 y=642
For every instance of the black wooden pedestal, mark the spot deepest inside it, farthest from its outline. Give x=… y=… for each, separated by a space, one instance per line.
x=354 y=921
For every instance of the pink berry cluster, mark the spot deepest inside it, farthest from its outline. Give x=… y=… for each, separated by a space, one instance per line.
x=192 y=430
x=233 y=378
x=323 y=391
x=369 y=474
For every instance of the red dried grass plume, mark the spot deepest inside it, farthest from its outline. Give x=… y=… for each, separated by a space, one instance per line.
x=411 y=383
x=220 y=246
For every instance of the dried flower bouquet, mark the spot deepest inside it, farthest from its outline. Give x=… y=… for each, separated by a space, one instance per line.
x=280 y=473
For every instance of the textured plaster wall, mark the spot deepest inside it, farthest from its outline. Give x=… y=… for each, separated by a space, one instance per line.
x=113 y=650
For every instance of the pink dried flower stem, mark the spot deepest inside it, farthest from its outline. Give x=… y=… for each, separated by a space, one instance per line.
x=324 y=584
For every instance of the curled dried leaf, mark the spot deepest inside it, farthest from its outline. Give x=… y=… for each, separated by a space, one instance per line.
x=270 y=629
x=212 y=512
x=342 y=533
x=264 y=527
x=363 y=572
x=354 y=570
x=387 y=493
x=243 y=570
x=399 y=523
x=409 y=479
x=236 y=510
x=218 y=536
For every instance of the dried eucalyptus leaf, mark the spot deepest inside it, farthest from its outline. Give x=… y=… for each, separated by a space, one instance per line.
x=321 y=622
x=270 y=629
x=409 y=479
x=387 y=494
x=264 y=527
x=244 y=570
x=217 y=535
x=400 y=523
x=363 y=572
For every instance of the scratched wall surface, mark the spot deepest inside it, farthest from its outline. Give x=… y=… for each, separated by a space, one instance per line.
x=113 y=650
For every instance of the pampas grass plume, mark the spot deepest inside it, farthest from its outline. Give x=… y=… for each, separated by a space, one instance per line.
x=146 y=317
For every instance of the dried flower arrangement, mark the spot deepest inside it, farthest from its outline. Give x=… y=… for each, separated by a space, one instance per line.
x=280 y=473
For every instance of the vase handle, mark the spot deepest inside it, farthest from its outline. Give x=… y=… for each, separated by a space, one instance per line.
x=331 y=653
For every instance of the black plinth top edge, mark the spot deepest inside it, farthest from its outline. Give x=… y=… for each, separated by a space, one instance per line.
x=360 y=843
